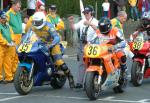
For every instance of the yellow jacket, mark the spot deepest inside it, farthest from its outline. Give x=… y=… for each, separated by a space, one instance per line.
x=57 y=21
x=5 y=35
x=132 y=2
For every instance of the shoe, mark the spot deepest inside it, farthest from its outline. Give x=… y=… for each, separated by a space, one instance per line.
x=78 y=85
x=1 y=81
x=6 y=82
x=132 y=19
x=71 y=81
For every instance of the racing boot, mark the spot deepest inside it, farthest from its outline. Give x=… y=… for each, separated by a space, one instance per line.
x=69 y=75
x=123 y=75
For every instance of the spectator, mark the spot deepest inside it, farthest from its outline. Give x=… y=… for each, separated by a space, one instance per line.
x=24 y=24
x=133 y=9
x=106 y=8
x=121 y=5
x=143 y=6
x=6 y=50
x=55 y=19
x=31 y=6
x=41 y=8
x=87 y=28
x=113 y=8
x=118 y=22
x=15 y=21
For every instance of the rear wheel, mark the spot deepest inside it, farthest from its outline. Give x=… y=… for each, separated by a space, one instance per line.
x=92 y=87
x=136 y=75
x=21 y=82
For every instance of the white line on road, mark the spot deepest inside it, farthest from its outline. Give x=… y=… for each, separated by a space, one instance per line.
x=6 y=99
x=110 y=99
x=8 y=93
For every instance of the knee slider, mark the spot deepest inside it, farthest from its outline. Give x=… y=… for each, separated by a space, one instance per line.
x=64 y=67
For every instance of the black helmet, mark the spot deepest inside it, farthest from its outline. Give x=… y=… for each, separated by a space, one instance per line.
x=104 y=25
x=145 y=21
x=53 y=7
x=2 y=15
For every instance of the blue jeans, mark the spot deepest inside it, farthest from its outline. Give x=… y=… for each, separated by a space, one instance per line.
x=105 y=13
x=134 y=9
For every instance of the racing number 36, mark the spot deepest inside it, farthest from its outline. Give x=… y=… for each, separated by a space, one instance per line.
x=92 y=50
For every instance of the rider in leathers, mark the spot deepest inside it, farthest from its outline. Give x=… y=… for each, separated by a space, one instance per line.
x=144 y=29
x=46 y=32
x=115 y=37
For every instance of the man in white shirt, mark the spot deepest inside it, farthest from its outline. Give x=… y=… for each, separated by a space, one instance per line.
x=106 y=6
x=87 y=27
x=31 y=6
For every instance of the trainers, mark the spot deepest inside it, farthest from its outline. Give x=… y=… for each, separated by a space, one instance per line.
x=78 y=85
x=71 y=81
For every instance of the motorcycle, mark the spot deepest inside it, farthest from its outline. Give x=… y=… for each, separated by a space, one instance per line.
x=140 y=67
x=103 y=69
x=36 y=66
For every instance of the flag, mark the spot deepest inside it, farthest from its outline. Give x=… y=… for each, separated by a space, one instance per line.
x=81 y=9
x=41 y=2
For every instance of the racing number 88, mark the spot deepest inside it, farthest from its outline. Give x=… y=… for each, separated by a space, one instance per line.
x=137 y=45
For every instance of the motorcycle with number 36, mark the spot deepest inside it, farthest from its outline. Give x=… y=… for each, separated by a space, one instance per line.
x=102 y=69
x=141 y=60
x=36 y=67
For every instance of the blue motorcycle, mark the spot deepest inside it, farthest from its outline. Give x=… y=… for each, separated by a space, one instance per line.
x=36 y=66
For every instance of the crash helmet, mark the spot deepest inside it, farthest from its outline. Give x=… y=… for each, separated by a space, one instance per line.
x=39 y=20
x=104 y=25
x=145 y=20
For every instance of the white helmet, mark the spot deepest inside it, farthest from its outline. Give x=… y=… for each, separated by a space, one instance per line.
x=39 y=20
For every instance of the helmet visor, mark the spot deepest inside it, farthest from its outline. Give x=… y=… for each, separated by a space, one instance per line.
x=38 y=22
x=104 y=29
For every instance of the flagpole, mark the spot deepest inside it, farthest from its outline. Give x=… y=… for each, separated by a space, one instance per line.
x=1 y=4
x=81 y=9
x=95 y=8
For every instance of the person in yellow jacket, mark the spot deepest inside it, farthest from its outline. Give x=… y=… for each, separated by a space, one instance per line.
x=55 y=19
x=133 y=9
x=6 y=49
x=118 y=22
x=15 y=21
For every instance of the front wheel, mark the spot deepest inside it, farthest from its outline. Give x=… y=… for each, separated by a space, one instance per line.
x=22 y=85
x=92 y=87
x=136 y=75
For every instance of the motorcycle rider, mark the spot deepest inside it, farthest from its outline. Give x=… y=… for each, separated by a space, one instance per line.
x=144 y=29
x=47 y=33
x=144 y=26
x=105 y=30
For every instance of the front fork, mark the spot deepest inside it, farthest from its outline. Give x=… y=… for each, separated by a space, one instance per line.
x=143 y=67
x=31 y=71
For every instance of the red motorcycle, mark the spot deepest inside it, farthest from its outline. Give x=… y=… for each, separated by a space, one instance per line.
x=140 y=46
